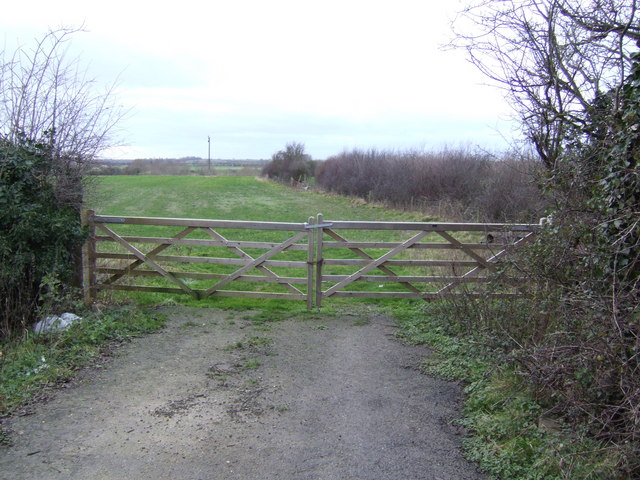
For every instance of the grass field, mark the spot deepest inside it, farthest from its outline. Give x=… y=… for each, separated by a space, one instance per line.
x=228 y=198
x=231 y=198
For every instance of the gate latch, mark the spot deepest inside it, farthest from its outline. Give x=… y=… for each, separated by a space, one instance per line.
x=318 y=225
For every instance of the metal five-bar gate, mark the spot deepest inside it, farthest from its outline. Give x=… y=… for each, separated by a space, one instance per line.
x=310 y=261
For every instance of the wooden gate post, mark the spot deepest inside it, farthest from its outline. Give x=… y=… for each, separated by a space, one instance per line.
x=320 y=233
x=89 y=258
x=310 y=264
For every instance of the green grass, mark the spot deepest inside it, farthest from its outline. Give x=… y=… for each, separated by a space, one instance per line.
x=234 y=198
x=30 y=366
x=251 y=364
x=508 y=437
x=228 y=198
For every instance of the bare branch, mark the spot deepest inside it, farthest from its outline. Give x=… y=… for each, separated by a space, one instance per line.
x=552 y=57
x=49 y=99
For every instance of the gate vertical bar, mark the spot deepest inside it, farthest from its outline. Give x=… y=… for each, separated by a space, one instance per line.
x=310 y=264
x=89 y=258
x=320 y=230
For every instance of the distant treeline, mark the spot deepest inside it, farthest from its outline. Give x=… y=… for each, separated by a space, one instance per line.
x=455 y=184
x=177 y=166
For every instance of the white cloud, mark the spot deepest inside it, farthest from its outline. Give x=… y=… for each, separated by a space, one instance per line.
x=255 y=74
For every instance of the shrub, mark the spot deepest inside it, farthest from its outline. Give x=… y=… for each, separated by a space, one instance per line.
x=576 y=339
x=472 y=185
x=290 y=164
x=37 y=232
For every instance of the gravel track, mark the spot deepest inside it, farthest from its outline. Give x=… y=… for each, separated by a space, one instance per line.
x=214 y=397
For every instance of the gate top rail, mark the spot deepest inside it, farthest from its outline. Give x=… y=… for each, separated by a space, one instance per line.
x=430 y=226
x=198 y=222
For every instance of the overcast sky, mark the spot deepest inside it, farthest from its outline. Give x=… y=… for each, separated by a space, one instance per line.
x=257 y=74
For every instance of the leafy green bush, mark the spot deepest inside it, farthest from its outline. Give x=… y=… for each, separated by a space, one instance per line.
x=37 y=233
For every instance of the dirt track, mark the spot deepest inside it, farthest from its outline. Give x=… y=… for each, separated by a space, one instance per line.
x=317 y=399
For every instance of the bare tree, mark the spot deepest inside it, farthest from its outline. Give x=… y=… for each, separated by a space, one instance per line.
x=49 y=99
x=553 y=58
x=290 y=164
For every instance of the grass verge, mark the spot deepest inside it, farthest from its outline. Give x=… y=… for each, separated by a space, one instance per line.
x=511 y=433
x=32 y=366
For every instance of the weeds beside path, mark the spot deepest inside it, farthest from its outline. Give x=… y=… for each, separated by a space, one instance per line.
x=219 y=396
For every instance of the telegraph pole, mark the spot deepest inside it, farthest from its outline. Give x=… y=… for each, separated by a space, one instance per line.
x=209 y=155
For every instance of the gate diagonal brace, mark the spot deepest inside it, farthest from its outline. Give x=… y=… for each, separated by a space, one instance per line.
x=366 y=256
x=490 y=261
x=481 y=260
x=256 y=262
x=376 y=263
x=143 y=258
x=241 y=253
x=136 y=263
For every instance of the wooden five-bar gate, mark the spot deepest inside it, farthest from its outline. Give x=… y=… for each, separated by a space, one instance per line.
x=309 y=261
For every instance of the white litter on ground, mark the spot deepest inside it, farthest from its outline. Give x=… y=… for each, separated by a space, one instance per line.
x=55 y=322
